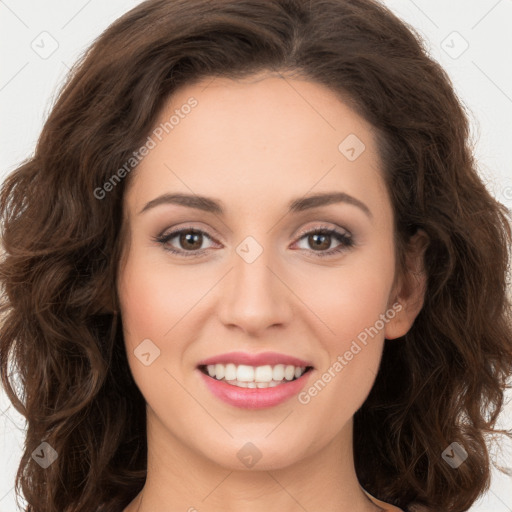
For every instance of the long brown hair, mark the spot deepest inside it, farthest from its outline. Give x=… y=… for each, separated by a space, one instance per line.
x=61 y=331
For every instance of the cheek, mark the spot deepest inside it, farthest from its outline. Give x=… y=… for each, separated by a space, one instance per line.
x=352 y=353
x=351 y=302
x=350 y=299
x=151 y=306
x=152 y=299
x=148 y=307
x=352 y=330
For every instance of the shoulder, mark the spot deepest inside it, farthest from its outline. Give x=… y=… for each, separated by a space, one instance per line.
x=386 y=507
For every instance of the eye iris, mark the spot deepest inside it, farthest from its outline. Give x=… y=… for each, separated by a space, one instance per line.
x=321 y=245
x=189 y=237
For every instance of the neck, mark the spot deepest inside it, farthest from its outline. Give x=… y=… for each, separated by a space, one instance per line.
x=179 y=478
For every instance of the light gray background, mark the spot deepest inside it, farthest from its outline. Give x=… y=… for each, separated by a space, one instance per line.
x=31 y=75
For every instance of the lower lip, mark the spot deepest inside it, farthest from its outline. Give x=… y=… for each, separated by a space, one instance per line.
x=254 y=398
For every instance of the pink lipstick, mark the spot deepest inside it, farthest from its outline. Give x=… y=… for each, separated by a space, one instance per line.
x=254 y=381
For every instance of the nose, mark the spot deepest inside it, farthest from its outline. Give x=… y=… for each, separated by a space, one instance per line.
x=254 y=296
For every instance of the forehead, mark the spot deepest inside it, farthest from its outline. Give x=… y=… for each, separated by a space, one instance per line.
x=254 y=140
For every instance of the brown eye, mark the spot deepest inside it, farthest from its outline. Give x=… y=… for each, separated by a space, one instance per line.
x=319 y=241
x=189 y=242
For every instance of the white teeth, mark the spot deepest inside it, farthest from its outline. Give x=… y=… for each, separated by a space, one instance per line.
x=219 y=371
x=245 y=373
x=263 y=373
x=278 y=372
x=259 y=385
x=289 y=372
x=254 y=377
x=230 y=372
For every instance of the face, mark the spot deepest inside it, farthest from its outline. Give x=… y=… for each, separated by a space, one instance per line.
x=314 y=282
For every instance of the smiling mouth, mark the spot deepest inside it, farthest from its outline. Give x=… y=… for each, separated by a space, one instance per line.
x=244 y=376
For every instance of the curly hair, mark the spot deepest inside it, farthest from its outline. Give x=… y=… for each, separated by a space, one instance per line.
x=62 y=358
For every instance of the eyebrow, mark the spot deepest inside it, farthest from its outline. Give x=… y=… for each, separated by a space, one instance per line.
x=300 y=204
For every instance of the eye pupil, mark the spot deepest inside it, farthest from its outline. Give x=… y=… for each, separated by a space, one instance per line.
x=189 y=237
x=321 y=245
x=191 y=240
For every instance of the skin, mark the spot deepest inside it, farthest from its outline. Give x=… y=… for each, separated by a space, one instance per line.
x=256 y=144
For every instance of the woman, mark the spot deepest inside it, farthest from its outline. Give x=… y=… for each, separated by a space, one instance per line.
x=251 y=265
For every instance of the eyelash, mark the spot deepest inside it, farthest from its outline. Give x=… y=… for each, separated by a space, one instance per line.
x=346 y=241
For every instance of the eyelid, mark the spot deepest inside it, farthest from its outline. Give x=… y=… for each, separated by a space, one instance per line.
x=322 y=226
x=336 y=231
x=176 y=230
x=300 y=234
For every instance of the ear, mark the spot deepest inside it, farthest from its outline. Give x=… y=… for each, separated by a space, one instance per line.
x=409 y=290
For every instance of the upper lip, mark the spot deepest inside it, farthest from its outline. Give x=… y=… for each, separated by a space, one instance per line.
x=261 y=359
